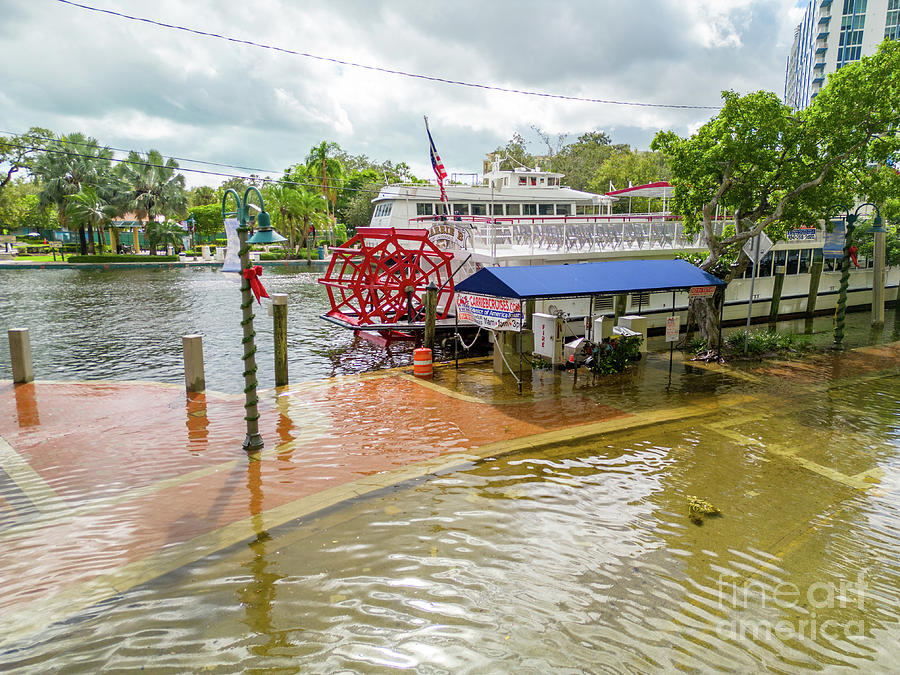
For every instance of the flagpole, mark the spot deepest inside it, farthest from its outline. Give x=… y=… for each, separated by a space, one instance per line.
x=433 y=151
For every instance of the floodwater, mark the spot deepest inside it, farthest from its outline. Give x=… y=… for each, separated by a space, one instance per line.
x=127 y=324
x=579 y=556
x=571 y=558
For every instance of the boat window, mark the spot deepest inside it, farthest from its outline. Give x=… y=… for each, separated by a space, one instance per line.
x=805 y=257
x=523 y=180
x=479 y=209
x=424 y=209
x=440 y=209
x=780 y=258
x=529 y=209
x=765 y=266
x=545 y=209
x=461 y=209
x=534 y=181
x=793 y=258
x=513 y=210
x=497 y=209
x=542 y=181
x=506 y=180
x=563 y=210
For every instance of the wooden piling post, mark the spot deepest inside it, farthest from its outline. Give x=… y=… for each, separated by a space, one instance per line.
x=279 y=330
x=776 y=296
x=20 y=355
x=194 y=375
x=815 y=275
x=430 y=314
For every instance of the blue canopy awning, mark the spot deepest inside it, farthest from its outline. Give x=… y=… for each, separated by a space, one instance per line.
x=584 y=279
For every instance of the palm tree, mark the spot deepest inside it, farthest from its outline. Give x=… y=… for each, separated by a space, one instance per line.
x=163 y=233
x=87 y=208
x=327 y=169
x=156 y=189
x=282 y=196
x=308 y=210
x=67 y=164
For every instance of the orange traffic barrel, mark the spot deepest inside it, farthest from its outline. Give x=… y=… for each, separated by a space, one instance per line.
x=422 y=362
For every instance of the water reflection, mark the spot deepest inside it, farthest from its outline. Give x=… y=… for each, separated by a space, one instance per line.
x=197 y=422
x=574 y=557
x=27 y=413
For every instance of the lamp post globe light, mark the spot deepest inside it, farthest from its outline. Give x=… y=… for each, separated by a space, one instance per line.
x=878 y=229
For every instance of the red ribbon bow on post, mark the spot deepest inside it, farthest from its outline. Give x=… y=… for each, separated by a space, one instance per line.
x=252 y=275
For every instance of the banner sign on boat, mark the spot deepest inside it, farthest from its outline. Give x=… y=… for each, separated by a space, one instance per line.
x=802 y=234
x=490 y=312
x=673 y=328
x=702 y=291
x=448 y=233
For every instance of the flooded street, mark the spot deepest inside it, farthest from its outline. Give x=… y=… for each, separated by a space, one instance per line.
x=573 y=556
x=448 y=526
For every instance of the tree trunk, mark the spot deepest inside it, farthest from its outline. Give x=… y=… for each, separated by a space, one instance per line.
x=82 y=240
x=91 y=238
x=100 y=237
x=705 y=312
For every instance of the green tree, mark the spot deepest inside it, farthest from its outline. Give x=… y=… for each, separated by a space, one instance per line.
x=309 y=210
x=208 y=220
x=580 y=160
x=155 y=186
x=513 y=154
x=202 y=195
x=328 y=170
x=159 y=234
x=20 y=207
x=66 y=165
x=771 y=166
x=625 y=165
x=17 y=152
x=88 y=209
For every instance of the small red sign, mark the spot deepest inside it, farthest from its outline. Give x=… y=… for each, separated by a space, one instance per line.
x=702 y=291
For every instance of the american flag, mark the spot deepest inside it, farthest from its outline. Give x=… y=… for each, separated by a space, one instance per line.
x=891 y=162
x=436 y=163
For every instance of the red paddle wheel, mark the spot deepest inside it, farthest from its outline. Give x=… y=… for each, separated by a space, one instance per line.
x=378 y=279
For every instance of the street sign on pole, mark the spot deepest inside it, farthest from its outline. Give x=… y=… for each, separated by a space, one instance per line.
x=757 y=247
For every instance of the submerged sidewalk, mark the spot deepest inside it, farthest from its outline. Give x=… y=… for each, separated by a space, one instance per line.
x=107 y=485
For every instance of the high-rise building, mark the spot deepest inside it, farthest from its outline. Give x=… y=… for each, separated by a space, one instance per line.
x=831 y=35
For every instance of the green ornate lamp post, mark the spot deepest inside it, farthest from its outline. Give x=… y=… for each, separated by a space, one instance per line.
x=192 y=226
x=253 y=440
x=850 y=219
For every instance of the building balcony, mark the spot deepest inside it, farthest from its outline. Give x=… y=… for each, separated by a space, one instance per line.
x=825 y=3
x=819 y=66
x=823 y=35
x=824 y=19
x=820 y=50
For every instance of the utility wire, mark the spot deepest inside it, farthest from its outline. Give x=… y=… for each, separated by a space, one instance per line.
x=380 y=69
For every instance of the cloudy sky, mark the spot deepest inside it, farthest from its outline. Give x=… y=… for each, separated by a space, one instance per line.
x=135 y=85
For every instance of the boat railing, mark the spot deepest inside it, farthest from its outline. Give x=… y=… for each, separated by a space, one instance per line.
x=571 y=234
